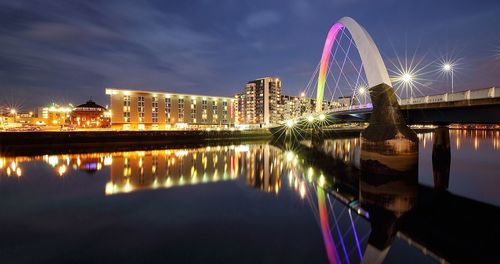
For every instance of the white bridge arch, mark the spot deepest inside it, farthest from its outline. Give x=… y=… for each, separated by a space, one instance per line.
x=373 y=65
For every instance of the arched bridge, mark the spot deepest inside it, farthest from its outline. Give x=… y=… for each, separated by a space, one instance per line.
x=472 y=106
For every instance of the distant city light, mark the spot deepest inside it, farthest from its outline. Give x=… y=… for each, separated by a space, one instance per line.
x=302 y=94
x=322 y=117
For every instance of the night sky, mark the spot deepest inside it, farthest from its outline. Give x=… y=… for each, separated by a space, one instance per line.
x=68 y=51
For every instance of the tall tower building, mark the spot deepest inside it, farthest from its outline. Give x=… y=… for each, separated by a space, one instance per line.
x=239 y=108
x=262 y=100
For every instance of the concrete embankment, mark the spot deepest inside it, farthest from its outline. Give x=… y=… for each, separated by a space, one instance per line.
x=34 y=142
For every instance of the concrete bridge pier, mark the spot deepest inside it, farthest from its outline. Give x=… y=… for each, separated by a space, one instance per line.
x=388 y=145
x=441 y=157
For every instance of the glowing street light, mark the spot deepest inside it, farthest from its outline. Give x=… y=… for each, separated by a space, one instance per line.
x=289 y=123
x=407 y=78
x=448 y=67
x=322 y=117
x=302 y=94
x=361 y=90
x=13 y=111
x=310 y=118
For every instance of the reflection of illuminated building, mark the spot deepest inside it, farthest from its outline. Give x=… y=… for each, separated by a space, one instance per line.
x=264 y=168
x=138 y=170
x=83 y=162
x=475 y=138
x=346 y=149
x=11 y=166
x=131 y=171
x=61 y=163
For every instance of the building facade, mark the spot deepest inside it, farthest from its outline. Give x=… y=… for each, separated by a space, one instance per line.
x=259 y=104
x=136 y=109
x=54 y=114
x=90 y=115
x=239 y=108
x=296 y=106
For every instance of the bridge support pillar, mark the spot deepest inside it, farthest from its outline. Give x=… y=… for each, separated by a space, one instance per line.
x=388 y=145
x=441 y=158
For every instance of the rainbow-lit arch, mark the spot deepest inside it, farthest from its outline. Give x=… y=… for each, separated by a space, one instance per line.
x=374 y=66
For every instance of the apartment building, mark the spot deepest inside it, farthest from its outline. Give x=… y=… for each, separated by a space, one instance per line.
x=144 y=110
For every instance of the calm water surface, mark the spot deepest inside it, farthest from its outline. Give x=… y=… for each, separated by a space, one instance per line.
x=251 y=203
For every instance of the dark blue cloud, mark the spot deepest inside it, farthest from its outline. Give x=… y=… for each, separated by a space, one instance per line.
x=71 y=50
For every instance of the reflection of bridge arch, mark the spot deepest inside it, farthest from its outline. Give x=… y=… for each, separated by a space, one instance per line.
x=374 y=66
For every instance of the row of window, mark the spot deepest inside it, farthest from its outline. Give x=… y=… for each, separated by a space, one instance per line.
x=168 y=108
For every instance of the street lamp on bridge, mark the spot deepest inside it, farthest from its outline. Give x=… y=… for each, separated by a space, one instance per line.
x=407 y=78
x=362 y=90
x=448 y=67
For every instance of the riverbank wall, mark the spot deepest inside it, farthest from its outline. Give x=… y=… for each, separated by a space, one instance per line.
x=33 y=142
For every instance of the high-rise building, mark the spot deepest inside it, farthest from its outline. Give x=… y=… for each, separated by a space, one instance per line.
x=239 y=108
x=132 y=109
x=261 y=101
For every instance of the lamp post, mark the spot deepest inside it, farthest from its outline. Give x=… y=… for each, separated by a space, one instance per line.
x=362 y=91
x=407 y=79
x=448 y=67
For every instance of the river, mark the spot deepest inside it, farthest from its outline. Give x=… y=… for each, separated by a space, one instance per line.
x=247 y=203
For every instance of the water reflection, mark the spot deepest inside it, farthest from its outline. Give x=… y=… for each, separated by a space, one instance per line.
x=90 y=163
x=359 y=215
x=441 y=158
x=132 y=171
x=346 y=150
x=259 y=166
x=475 y=138
x=387 y=198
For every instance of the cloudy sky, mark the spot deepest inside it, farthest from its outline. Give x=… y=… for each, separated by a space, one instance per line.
x=68 y=51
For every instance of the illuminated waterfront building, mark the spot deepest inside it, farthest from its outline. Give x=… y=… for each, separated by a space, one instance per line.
x=239 y=108
x=296 y=106
x=55 y=114
x=136 y=109
x=90 y=115
x=262 y=98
